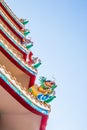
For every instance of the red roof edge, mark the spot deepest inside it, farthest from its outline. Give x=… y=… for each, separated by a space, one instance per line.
x=44 y=122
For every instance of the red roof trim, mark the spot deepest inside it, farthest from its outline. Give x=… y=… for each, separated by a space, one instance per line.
x=12 y=43
x=32 y=77
x=11 y=29
x=43 y=122
x=11 y=17
x=21 y=101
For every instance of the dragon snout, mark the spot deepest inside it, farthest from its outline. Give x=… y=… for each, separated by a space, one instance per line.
x=52 y=83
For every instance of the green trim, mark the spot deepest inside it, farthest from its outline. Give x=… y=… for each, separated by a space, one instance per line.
x=50 y=99
x=26 y=32
x=25 y=22
x=36 y=65
x=29 y=46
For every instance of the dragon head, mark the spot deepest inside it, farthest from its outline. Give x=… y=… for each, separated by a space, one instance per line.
x=47 y=84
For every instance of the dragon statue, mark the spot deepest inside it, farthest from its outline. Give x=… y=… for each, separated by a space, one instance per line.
x=45 y=92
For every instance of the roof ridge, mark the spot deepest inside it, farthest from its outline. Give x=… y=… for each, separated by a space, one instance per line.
x=11 y=13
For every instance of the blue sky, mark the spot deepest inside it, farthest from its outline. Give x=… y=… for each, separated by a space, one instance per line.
x=59 y=31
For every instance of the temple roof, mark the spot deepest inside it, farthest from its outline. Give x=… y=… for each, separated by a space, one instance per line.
x=17 y=58
x=22 y=92
x=11 y=25
x=10 y=12
x=18 y=70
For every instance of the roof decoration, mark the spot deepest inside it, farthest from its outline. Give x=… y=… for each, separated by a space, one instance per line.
x=24 y=21
x=17 y=47
x=25 y=31
x=45 y=92
x=23 y=92
x=17 y=58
